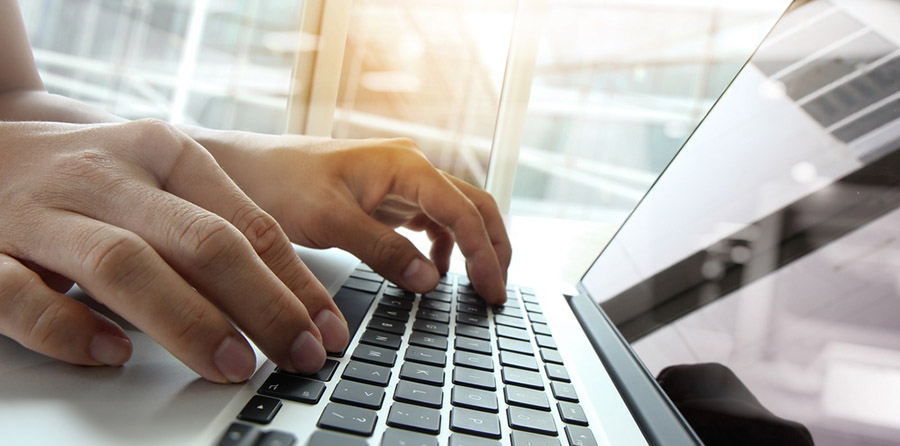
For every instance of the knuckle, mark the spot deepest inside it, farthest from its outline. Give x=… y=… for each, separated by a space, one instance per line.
x=189 y=322
x=116 y=258
x=261 y=230
x=44 y=330
x=152 y=131
x=387 y=247
x=270 y=317
x=14 y=280
x=211 y=242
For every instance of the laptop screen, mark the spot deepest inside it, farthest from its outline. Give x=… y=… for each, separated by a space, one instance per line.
x=771 y=243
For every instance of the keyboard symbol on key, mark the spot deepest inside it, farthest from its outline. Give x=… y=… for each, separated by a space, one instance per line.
x=374 y=354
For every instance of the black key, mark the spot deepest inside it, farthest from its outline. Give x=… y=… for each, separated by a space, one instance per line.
x=462 y=396
x=328 y=438
x=260 y=409
x=408 y=416
x=473 y=345
x=277 y=438
x=473 y=331
x=509 y=311
x=364 y=267
x=522 y=378
x=367 y=275
x=398 y=292
x=475 y=422
x=515 y=346
x=431 y=327
x=439 y=296
x=518 y=360
x=512 y=333
x=471 y=300
x=545 y=341
x=475 y=378
x=580 y=436
x=463 y=281
x=471 y=309
x=537 y=317
x=531 y=421
x=324 y=374
x=392 y=314
x=424 y=355
x=417 y=393
x=428 y=340
x=387 y=325
x=362 y=285
x=572 y=413
x=520 y=438
x=433 y=315
x=353 y=420
x=293 y=388
x=532 y=399
x=471 y=319
x=399 y=437
x=431 y=304
x=549 y=355
x=474 y=360
x=358 y=394
x=444 y=288
x=422 y=373
x=239 y=434
x=396 y=302
x=367 y=373
x=533 y=308
x=511 y=302
x=541 y=329
x=563 y=391
x=354 y=305
x=381 y=339
x=446 y=280
x=509 y=321
x=557 y=372
x=468 y=440
x=375 y=355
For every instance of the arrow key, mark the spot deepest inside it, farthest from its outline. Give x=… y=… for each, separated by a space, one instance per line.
x=580 y=436
x=358 y=394
x=260 y=409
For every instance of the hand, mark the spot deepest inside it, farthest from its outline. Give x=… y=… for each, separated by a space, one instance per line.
x=353 y=193
x=143 y=218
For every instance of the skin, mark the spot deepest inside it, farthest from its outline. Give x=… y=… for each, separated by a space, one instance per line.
x=186 y=232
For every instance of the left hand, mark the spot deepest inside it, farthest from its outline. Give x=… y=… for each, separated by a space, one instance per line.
x=352 y=194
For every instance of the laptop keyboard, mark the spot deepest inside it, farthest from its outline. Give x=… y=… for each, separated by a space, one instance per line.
x=449 y=350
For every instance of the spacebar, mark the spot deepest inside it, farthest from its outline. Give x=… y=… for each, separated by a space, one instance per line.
x=354 y=305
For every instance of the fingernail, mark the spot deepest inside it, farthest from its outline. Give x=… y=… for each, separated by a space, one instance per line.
x=334 y=332
x=419 y=276
x=307 y=353
x=109 y=349
x=235 y=360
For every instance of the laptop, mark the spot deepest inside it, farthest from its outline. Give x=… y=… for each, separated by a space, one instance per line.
x=550 y=367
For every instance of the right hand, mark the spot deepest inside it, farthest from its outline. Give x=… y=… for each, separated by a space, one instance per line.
x=142 y=218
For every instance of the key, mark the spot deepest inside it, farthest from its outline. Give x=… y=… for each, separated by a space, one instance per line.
x=381 y=339
x=541 y=329
x=431 y=327
x=473 y=331
x=572 y=413
x=530 y=298
x=427 y=356
x=580 y=436
x=354 y=305
x=367 y=373
x=391 y=313
x=433 y=315
x=399 y=292
x=367 y=275
x=260 y=409
x=475 y=423
x=362 y=285
x=408 y=416
x=471 y=319
x=515 y=346
x=277 y=438
x=471 y=300
x=512 y=333
x=522 y=378
x=375 y=355
x=537 y=317
x=328 y=438
x=563 y=391
x=324 y=374
x=545 y=341
x=532 y=399
x=517 y=360
x=509 y=321
x=520 y=438
x=425 y=374
x=431 y=304
x=399 y=437
x=471 y=309
x=439 y=296
x=428 y=340
x=473 y=360
x=421 y=394
x=557 y=372
x=549 y=355
x=353 y=420
x=446 y=280
x=444 y=288
x=468 y=440
x=358 y=394
x=239 y=434
x=533 y=308
x=509 y=311
x=531 y=421
x=462 y=396
x=293 y=388
x=473 y=345
x=475 y=378
x=396 y=302
x=387 y=325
